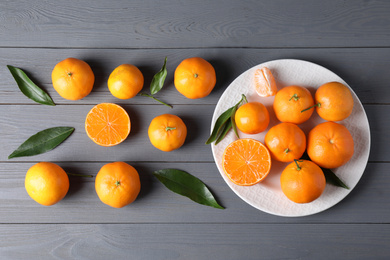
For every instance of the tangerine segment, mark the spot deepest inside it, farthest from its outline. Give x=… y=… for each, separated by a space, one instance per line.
x=246 y=161
x=107 y=124
x=265 y=84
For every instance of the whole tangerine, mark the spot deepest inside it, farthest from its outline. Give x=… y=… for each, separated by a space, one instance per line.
x=252 y=118
x=195 y=78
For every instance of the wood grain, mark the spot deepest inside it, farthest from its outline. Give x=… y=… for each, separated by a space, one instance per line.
x=181 y=241
x=178 y=24
x=367 y=203
x=364 y=69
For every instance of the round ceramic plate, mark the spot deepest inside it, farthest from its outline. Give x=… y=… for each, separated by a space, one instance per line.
x=267 y=195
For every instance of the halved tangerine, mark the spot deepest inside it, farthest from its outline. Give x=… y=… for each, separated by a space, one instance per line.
x=107 y=124
x=246 y=161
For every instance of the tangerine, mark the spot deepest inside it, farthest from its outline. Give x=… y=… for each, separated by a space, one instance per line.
x=290 y=101
x=125 y=81
x=246 y=162
x=330 y=145
x=117 y=184
x=107 y=124
x=252 y=118
x=195 y=78
x=46 y=183
x=302 y=181
x=167 y=132
x=286 y=142
x=73 y=79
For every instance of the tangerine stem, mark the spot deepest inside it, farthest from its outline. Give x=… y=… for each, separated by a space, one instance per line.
x=316 y=105
x=287 y=150
x=244 y=98
x=147 y=95
x=169 y=128
x=296 y=162
x=117 y=183
x=295 y=97
x=80 y=175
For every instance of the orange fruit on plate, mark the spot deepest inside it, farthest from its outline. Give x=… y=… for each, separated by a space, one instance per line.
x=167 y=132
x=334 y=101
x=46 y=183
x=195 y=78
x=246 y=161
x=117 y=184
x=265 y=84
x=73 y=79
x=290 y=101
x=302 y=181
x=330 y=145
x=286 y=142
x=107 y=124
x=125 y=81
x=252 y=118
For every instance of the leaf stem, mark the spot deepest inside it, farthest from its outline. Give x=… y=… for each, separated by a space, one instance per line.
x=316 y=105
x=147 y=95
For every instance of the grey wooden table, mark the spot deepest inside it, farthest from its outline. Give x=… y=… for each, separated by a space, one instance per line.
x=351 y=38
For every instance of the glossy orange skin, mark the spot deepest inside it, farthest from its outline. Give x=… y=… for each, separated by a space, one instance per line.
x=330 y=145
x=336 y=101
x=286 y=142
x=73 y=79
x=290 y=101
x=252 y=118
x=117 y=184
x=195 y=78
x=302 y=185
x=46 y=183
x=125 y=81
x=167 y=132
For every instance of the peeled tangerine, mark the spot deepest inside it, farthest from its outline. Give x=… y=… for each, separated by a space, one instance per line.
x=265 y=82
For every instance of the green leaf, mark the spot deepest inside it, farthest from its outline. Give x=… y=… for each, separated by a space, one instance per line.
x=187 y=185
x=222 y=119
x=224 y=131
x=42 y=141
x=28 y=88
x=158 y=79
x=330 y=176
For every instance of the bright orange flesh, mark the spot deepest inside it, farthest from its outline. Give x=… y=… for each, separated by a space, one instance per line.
x=265 y=84
x=246 y=161
x=107 y=124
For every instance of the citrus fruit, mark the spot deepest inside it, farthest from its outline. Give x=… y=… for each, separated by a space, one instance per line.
x=125 y=81
x=290 y=101
x=195 y=78
x=73 y=79
x=117 y=184
x=265 y=84
x=302 y=181
x=167 y=132
x=286 y=142
x=46 y=183
x=107 y=124
x=246 y=161
x=330 y=145
x=252 y=118
x=334 y=101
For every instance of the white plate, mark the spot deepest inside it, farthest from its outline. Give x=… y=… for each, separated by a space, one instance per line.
x=267 y=195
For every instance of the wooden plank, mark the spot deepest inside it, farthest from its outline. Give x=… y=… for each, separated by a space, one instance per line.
x=197 y=241
x=369 y=202
x=362 y=68
x=17 y=124
x=178 y=24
